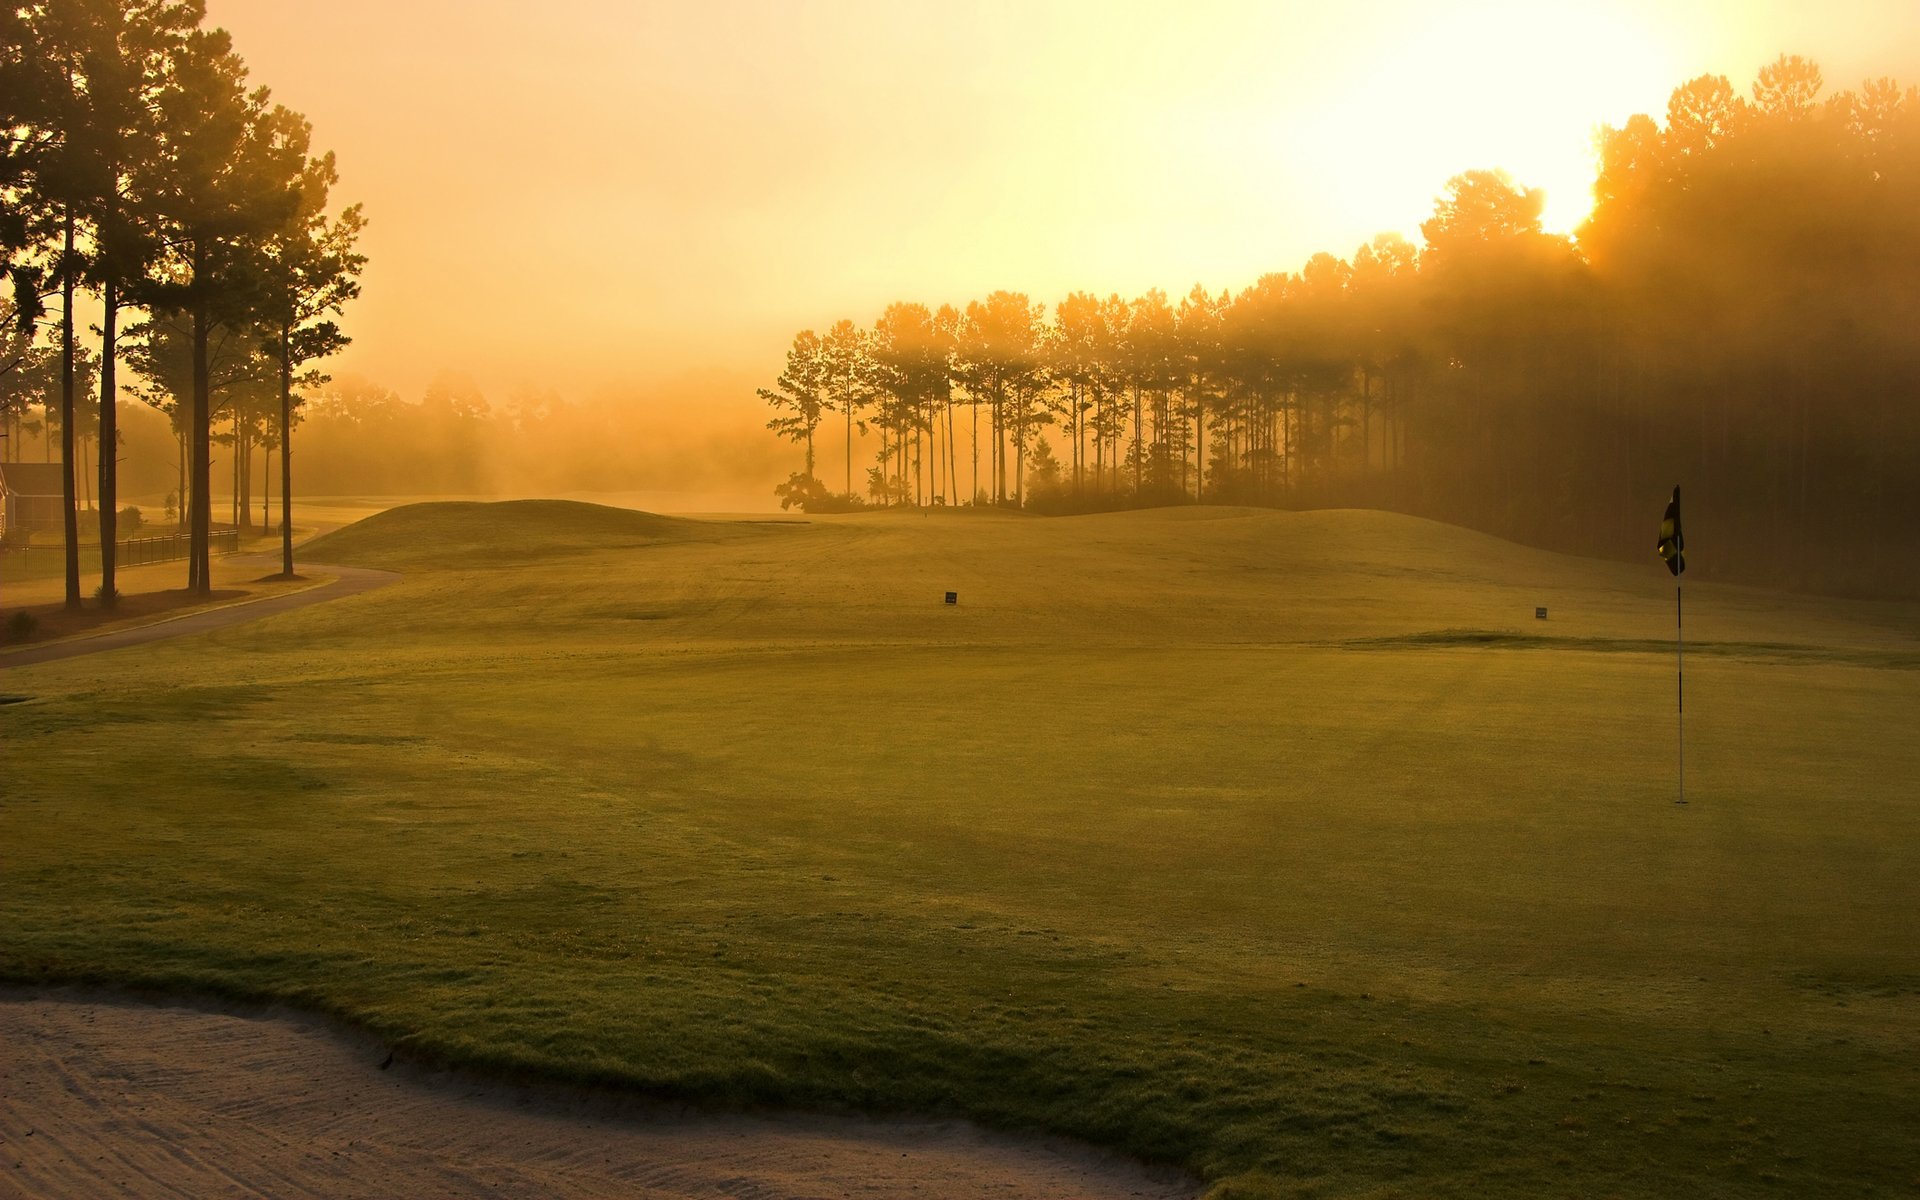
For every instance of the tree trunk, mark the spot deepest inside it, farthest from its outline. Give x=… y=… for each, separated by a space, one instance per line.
x=974 y=403
x=109 y=445
x=1199 y=451
x=953 y=468
x=286 y=454
x=1137 y=446
x=1020 y=455
x=70 y=515
x=200 y=558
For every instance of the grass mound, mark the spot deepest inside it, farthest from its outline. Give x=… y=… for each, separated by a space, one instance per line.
x=473 y=534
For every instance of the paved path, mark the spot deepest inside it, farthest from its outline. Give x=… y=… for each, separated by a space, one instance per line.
x=351 y=581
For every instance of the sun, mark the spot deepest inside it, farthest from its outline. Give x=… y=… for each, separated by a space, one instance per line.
x=1524 y=88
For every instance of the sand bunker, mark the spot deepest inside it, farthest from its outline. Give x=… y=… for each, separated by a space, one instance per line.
x=108 y=1098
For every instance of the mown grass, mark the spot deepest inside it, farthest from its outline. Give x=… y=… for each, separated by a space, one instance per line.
x=1201 y=834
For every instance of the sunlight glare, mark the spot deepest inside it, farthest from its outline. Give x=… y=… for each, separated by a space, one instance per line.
x=1521 y=87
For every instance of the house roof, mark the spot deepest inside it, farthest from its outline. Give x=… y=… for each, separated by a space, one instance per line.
x=31 y=479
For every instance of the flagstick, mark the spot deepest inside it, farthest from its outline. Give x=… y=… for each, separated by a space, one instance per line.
x=1680 y=692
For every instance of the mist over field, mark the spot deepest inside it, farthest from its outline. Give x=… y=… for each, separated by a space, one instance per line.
x=360 y=438
x=1232 y=601
x=1714 y=284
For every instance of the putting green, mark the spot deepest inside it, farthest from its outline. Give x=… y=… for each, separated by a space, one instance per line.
x=1290 y=848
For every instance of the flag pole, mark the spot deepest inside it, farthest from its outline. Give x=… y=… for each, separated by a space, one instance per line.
x=1672 y=547
x=1680 y=692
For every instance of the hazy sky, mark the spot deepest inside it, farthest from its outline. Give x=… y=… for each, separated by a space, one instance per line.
x=603 y=194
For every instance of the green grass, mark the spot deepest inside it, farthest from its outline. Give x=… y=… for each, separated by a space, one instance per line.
x=1288 y=848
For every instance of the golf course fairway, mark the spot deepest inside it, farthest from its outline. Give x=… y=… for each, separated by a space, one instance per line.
x=1286 y=848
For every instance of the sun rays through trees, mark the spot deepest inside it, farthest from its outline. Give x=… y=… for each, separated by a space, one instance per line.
x=1737 y=311
x=143 y=165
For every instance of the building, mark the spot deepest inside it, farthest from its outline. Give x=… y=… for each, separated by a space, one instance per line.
x=30 y=499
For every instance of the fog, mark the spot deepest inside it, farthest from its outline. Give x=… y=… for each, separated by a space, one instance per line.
x=594 y=230
x=601 y=198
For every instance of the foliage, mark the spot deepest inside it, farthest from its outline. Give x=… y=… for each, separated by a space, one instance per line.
x=21 y=626
x=799 y=393
x=803 y=490
x=142 y=163
x=810 y=495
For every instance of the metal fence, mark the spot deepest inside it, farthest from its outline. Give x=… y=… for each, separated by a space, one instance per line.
x=133 y=552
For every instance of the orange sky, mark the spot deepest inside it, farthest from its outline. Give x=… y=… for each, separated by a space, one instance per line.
x=601 y=194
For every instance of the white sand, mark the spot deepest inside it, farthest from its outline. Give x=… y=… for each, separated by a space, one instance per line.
x=101 y=1097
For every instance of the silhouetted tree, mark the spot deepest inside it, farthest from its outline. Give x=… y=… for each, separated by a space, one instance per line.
x=223 y=181
x=847 y=379
x=800 y=393
x=311 y=271
x=1738 y=311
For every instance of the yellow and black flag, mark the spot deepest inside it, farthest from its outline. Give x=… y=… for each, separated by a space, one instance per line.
x=1672 y=545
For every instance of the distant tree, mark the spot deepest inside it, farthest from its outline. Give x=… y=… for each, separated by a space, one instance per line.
x=940 y=383
x=1787 y=88
x=910 y=356
x=800 y=393
x=1153 y=367
x=1737 y=311
x=1701 y=115
x=1073 y=348
x=1044 y=470
x=1112 y=370
x=847 y=379
x=1482 y=207
x=239 y=377
x=29 y=377
x=804 y=492
x=48 y=384
x=1000 y=359
x=454 y=422
x=1200 y=370
x=1384 y=291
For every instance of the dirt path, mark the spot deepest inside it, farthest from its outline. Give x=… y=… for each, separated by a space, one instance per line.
x=348 y=581
x=111 y=1098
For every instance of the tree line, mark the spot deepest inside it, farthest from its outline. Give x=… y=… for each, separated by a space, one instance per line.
x=1739 y=312
x=141 y=167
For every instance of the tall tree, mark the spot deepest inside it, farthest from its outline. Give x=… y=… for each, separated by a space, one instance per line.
x=29 y=76
x=800 y=393
x=911 y=369
x=223 y=182
x=241 y=377
x=311 y=271
x=1000 y=357
x=56 y=168
x=128 y=50
x=1198 y=325
x=846 y=365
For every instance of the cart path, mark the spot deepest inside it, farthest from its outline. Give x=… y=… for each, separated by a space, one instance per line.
x=109 y=1097
x=348 y=581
